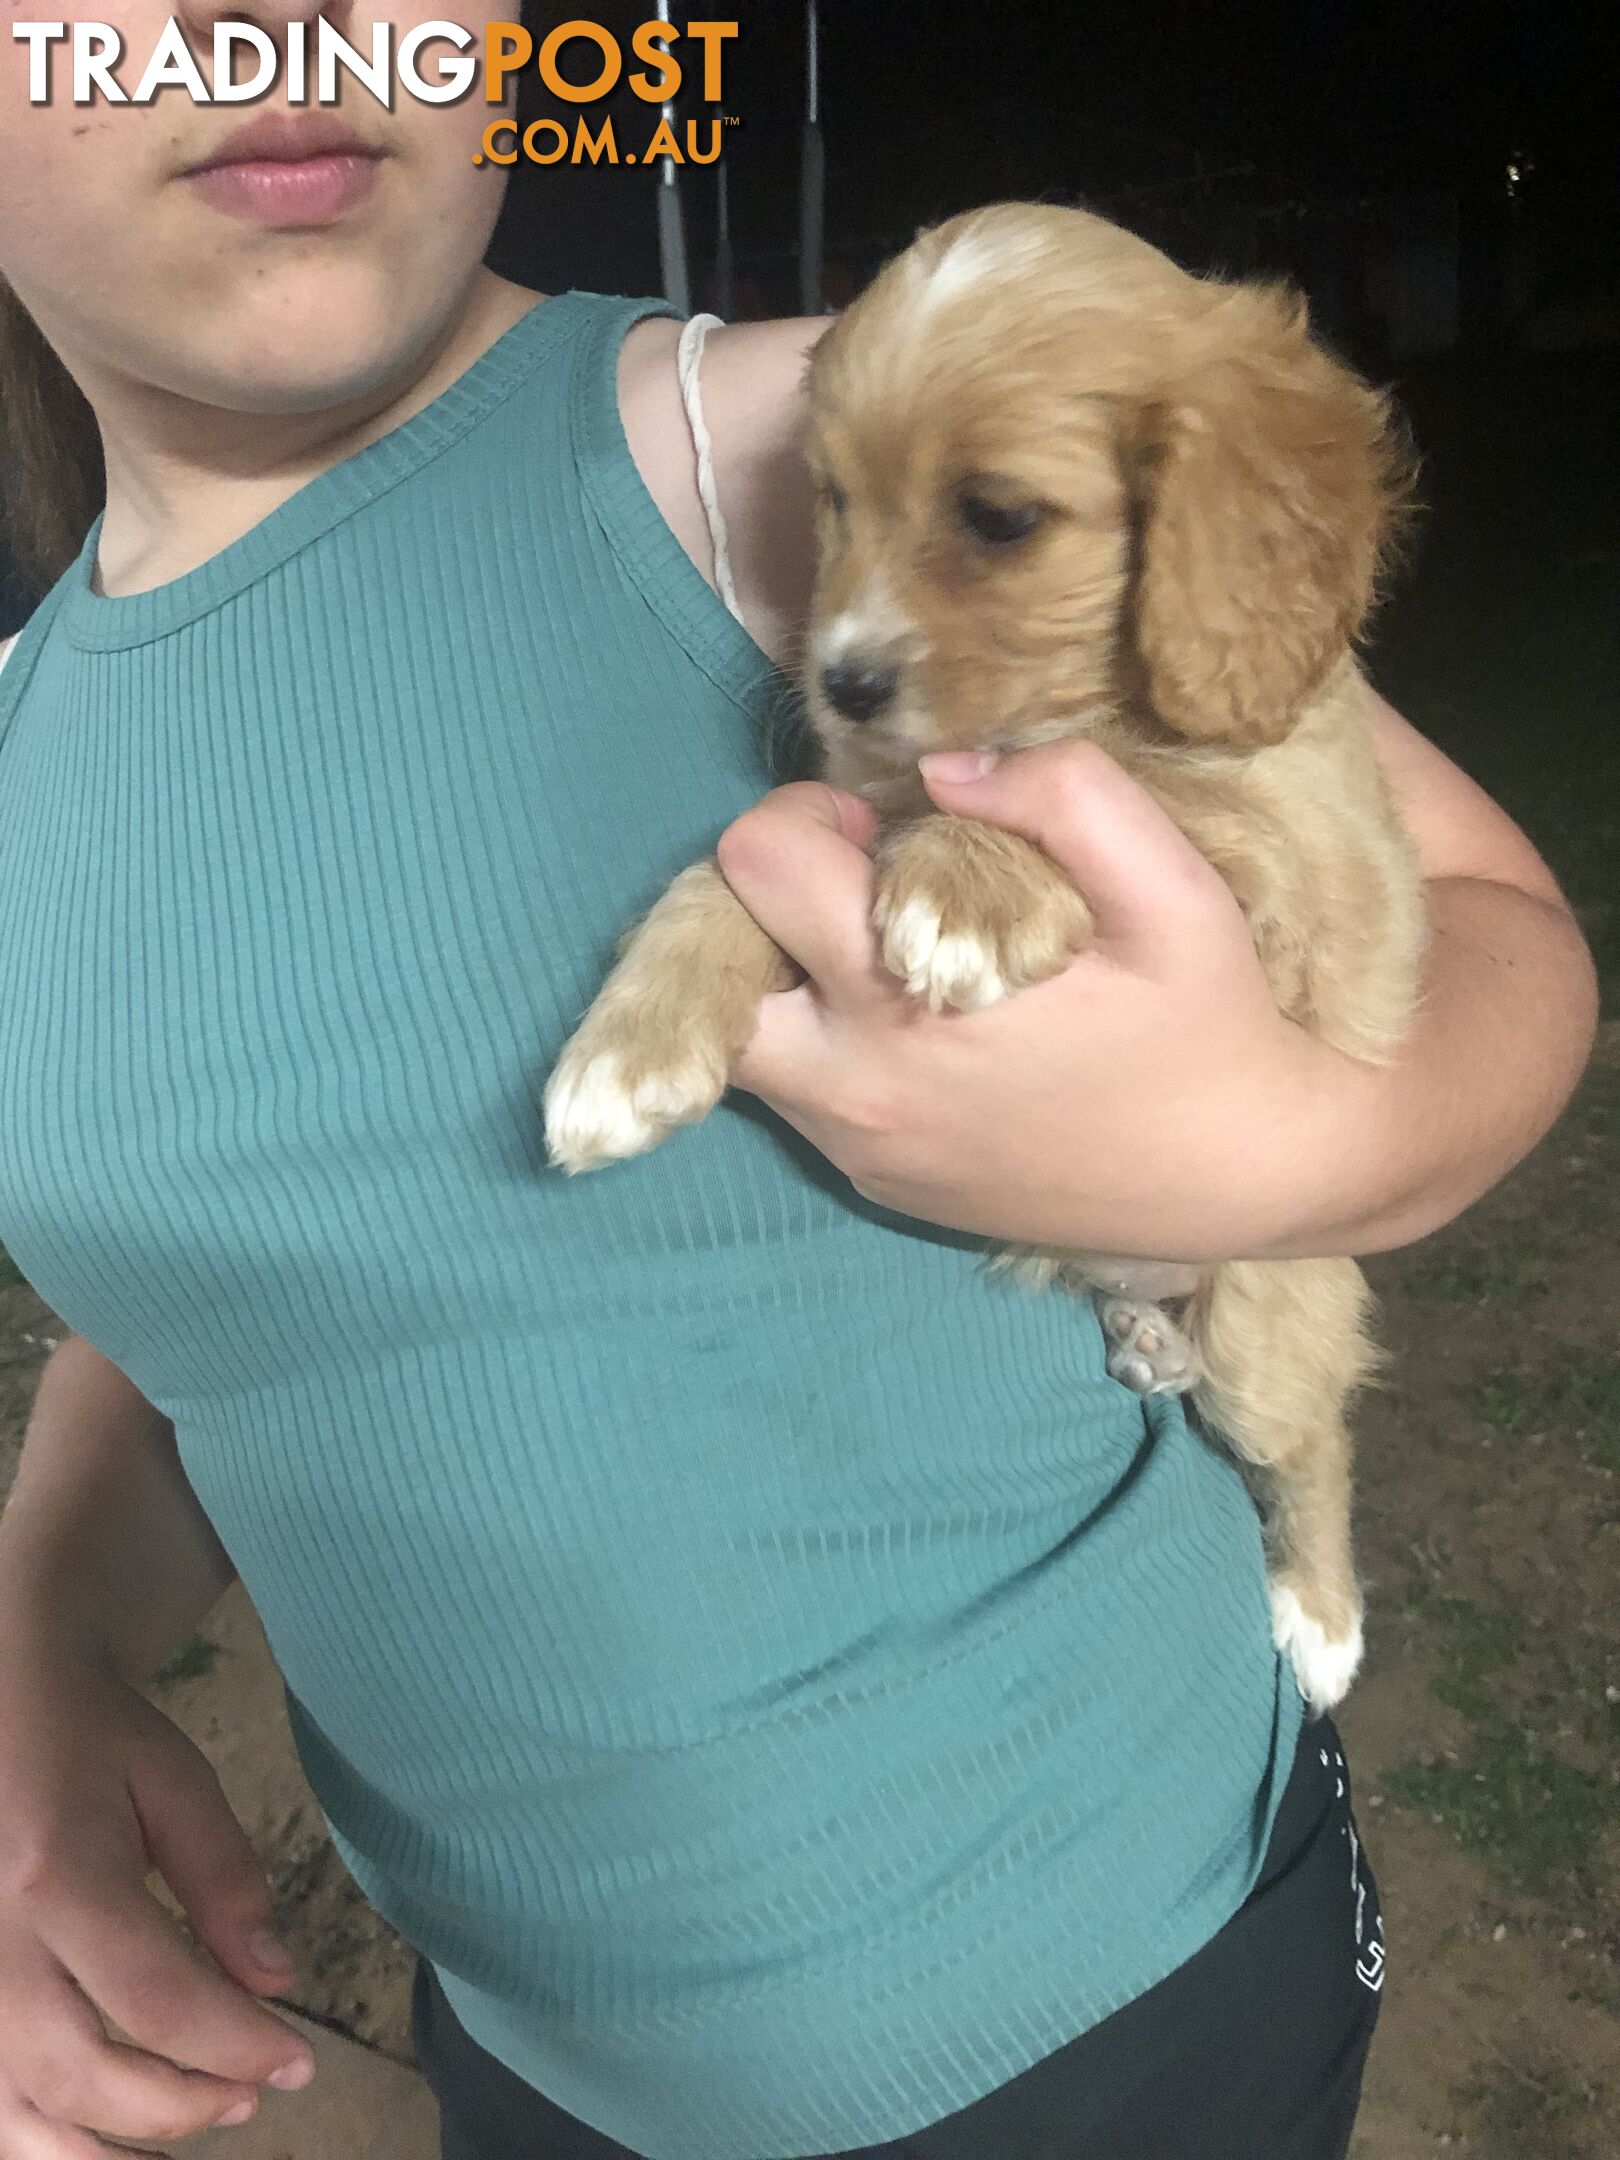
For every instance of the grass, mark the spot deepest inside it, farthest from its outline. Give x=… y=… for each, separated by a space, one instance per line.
x=1472 y=1644
x=1528 y=2114
x=194 y=1660
x=1509 y=1271
x=1532 y=1818
x=1508 y=1798
x=1578 y=1395
x=1591 y=1698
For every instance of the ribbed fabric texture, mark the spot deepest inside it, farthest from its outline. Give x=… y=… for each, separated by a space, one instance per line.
x=780 y=1680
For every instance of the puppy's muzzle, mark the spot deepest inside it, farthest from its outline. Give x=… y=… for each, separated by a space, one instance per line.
x=860 y=689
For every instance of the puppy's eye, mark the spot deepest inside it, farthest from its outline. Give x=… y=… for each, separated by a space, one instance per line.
x=833 y=496
x=998 y=524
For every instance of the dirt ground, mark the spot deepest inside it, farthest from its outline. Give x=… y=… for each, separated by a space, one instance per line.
x=1484 y=1737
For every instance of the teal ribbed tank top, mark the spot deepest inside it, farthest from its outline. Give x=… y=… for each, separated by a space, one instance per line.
x=763 y=1661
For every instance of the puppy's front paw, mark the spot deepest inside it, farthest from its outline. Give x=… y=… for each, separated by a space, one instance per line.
x=612 y=1096
x=959 y=967
x=966 y=915
x=1325 y=1657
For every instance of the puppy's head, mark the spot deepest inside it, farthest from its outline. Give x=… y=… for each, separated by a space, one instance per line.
x=1058 y=478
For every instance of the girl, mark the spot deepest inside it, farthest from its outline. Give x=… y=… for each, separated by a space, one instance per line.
x=793 y=1700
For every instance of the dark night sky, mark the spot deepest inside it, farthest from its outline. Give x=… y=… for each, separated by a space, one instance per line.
x=934 y=104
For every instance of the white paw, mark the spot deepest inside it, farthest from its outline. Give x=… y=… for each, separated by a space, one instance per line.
x=959 y=971
x=1324 y=1665
x=593 y=1116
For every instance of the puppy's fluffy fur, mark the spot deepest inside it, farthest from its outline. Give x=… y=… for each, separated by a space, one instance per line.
x=1067 y=490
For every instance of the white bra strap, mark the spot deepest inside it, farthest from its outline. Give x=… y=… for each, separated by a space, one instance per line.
x=5 y=648
x=687 y=355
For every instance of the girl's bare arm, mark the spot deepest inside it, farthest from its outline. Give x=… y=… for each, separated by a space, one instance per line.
x=103 y=1544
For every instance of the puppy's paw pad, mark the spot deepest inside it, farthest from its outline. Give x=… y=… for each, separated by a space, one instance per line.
x=598 y=1110
x=1147 y=1352
x=1324 y=1664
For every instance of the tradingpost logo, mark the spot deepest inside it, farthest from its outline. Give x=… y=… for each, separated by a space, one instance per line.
x=441 y=63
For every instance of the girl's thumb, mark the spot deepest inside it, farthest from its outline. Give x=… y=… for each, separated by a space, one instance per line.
x=196 y=1844
x=1141 y=876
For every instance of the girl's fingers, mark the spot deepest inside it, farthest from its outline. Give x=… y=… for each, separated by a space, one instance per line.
x=73 y=2076
x=27 y=2136
x=127 y=1958
x=797 y=862
x=1142 y=878
x=787 y=1056
x=202 y=1852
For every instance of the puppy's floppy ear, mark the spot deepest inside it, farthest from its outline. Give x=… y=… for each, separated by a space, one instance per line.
x=1271 y=480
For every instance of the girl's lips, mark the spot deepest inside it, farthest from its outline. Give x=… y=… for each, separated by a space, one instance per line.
x=288 y=191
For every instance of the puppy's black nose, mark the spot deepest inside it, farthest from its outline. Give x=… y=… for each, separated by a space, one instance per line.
x=859 y=689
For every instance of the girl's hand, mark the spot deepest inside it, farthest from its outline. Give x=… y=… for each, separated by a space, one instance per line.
x=97 y=1789
x=1150 y=1100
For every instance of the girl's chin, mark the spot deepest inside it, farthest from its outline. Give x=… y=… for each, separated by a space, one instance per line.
x=296 y=351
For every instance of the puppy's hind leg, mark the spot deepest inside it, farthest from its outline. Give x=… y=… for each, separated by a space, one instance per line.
x=1284 y=1346
x=1147 y=1352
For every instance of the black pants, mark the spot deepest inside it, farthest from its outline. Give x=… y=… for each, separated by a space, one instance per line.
x=1252 y=2050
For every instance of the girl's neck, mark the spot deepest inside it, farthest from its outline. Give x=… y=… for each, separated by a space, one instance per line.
x=185 y=480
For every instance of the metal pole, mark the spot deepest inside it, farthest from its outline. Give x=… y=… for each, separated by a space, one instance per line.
x=671 y=226
x=725 y=263
x=812 y=174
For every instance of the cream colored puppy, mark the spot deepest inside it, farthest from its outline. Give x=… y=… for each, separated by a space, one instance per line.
x=1067 y=490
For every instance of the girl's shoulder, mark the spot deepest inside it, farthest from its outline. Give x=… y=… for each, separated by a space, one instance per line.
x=751 y=384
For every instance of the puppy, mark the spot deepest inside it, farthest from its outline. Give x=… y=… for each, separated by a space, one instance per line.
x=1067 y=490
